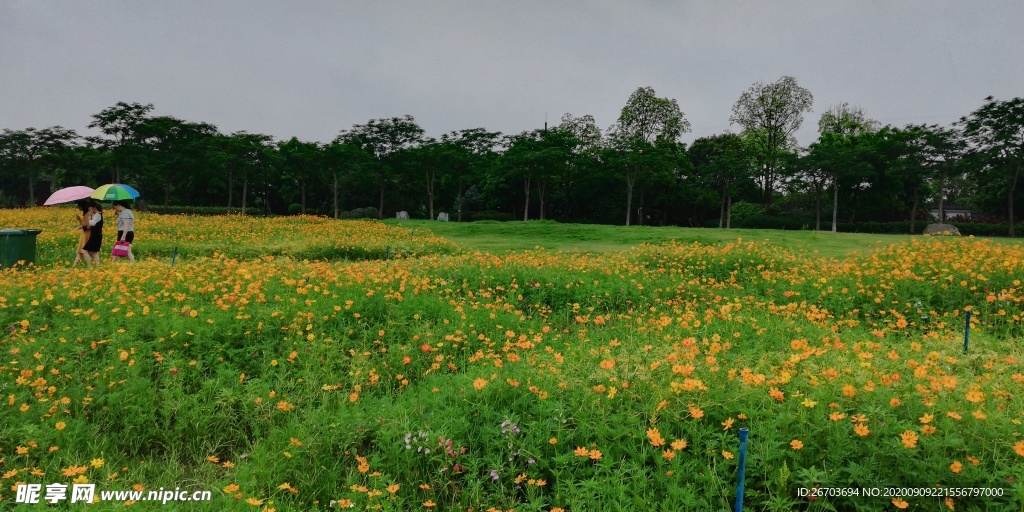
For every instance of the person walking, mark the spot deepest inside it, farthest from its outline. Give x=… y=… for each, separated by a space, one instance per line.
x=94 y=225
x=83 y=233
x=125 y=227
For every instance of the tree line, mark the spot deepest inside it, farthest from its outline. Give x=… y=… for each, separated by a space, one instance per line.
x=636 y=171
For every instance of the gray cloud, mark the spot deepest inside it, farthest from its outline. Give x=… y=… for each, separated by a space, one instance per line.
x=310 y=69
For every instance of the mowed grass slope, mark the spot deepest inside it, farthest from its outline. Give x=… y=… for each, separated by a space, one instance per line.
x=536 y=380
x=505 y=236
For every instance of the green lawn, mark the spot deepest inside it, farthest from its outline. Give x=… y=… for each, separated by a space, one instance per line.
x=503 y=236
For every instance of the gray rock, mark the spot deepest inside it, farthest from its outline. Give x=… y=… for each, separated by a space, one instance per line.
x=941 y=229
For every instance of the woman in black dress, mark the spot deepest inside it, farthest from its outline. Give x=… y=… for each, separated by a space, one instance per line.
x=91 y=250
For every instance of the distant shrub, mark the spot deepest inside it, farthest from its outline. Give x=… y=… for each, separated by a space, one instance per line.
x=370 y=212
x=294 y=209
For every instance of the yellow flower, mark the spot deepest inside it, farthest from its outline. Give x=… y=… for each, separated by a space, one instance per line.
x=655 y=437
x=727 y=424
x=231 y=489
x=61 y=425
x=96 y=463
x=909 y=439
x=728 y=455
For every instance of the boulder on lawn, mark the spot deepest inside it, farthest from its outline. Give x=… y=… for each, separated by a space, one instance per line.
x=941 y=229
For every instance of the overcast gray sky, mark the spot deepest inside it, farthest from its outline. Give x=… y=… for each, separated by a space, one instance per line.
x=311 y=68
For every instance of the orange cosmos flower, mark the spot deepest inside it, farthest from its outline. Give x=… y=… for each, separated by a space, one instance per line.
x=679 y=444
x=776 y=394
x=696 y=412
x=927 y=418
x=949 y=503
x=849 y=391
x=1019 y=448
x=668 y=454
x=608 y=364
x=655 y=437
x=975 y=396
x=581 y=452
x=909 y=439
x=796 y=444
x=727 y=424
x=900 y=504
x=837 y=416
x=479 y=384
x=953 y=415
x=956 y=466
x=595 y=454
x=895 y=402
x=728 y=455
x=927 y=430
x=861 y=430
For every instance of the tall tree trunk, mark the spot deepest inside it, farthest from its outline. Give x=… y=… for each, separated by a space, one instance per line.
x=167 y=193
x=526 y=188
x=835 y=202
x=231 y=188
x=430 y=192
x=334 y=175
x=380 y=210
x=1010 y=189
x=817 y=205
x=913 y=212
x=640 y=214
x=540 y=195
x=245 y=191
x=721 y=209
x=31 y=185
x=629 y=196
x=728 y=210
x=462 y=200
x=302 y=185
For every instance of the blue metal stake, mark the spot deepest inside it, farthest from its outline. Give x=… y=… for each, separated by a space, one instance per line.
x=967 y=331
x=743 y=469
x=174 y=255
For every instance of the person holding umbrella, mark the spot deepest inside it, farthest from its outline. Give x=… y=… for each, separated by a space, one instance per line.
x=83 y=237
x=125 y=229
x=94 y=225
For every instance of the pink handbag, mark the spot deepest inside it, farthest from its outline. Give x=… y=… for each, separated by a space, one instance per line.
x=120 y=249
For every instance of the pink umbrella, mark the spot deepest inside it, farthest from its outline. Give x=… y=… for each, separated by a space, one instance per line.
x=66 y=195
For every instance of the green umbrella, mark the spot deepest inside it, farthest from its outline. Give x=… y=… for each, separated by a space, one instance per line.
x=114 y=192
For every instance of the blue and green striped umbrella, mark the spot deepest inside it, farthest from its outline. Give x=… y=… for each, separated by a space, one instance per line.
x=115 y=192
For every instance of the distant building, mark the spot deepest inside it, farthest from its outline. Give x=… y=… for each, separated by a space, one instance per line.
x=953 y=211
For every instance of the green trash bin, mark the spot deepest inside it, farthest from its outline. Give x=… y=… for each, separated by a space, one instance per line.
x=17 y=245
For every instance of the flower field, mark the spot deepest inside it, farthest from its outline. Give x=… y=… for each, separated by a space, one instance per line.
x=308 y=364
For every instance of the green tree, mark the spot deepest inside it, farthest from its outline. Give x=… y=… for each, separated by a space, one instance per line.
x=722 y=161
x=29 y=149
x=995 y=133
x=383 y=138
x=771 y=113
x=300 y=160
x=647 y=127
x=121 y=123
x=468 y=155
x=835 y=152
